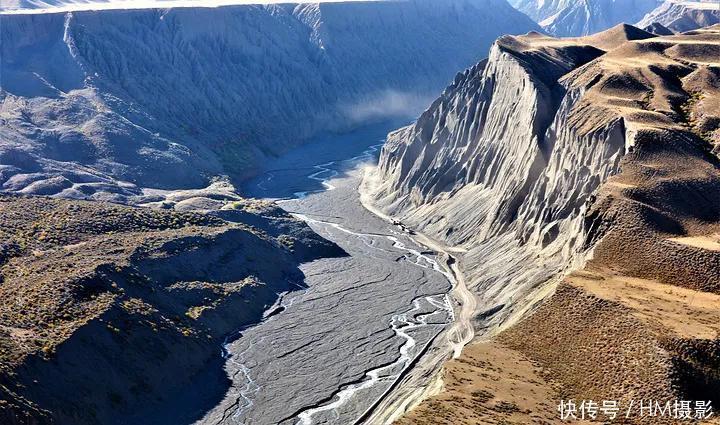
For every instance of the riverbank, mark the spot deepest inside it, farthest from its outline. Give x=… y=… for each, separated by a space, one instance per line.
x=425 y=380
x=359 y=323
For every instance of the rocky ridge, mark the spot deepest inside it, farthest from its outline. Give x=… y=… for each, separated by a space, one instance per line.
x=612 y=172
x=492 y=165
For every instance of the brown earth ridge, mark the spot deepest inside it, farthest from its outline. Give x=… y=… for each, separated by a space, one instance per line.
x=108 y=312
x=641 y=320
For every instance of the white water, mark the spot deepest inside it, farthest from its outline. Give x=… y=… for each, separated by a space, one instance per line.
x=325 y=173
x=401 y=324
x=251 y=388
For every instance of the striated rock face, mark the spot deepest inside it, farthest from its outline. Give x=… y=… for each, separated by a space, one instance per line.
x=577 y=18
x=128 y=307
x=507 y=162
x=639 y=129
x=101 y=104
x=681 y=16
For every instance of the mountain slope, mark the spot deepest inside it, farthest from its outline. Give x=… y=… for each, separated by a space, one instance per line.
x=492 y=165
x=598 y=156
x=565 y=18
x=102 y=104
x=507 y=161
x=681 y=16
x=144 y=296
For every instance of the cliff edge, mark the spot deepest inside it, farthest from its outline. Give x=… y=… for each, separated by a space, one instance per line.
x=581 y=176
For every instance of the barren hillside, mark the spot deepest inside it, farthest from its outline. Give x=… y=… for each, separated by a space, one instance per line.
x=614 y=176
x=103 y=104
x=128 y=307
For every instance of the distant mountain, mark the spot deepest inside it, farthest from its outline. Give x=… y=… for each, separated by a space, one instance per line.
x=102 y=104
x=681 y=16
x=576 y=18
x=43 y=6
x=539 y=10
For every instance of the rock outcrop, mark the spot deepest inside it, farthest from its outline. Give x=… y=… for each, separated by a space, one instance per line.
x=658 y=29
x=507 y=163
x=604 y=161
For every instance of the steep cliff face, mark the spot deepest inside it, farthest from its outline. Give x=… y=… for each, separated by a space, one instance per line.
x=681 y=16
x=102 y=104
x=506 y=161
x=632 y=178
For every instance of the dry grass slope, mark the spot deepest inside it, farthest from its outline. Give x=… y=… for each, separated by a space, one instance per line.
x=109 y=310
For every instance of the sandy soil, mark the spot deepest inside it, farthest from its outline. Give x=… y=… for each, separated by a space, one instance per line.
x=685 y=312
x=520 y=376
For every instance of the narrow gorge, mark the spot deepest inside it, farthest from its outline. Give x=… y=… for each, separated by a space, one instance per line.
x=107 y=114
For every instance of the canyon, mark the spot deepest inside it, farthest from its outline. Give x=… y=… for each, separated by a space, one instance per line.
x=102 y=105
x=124 y=134
x=226 y=214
